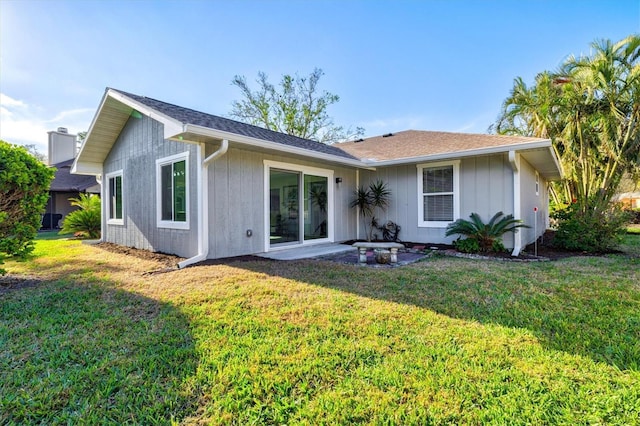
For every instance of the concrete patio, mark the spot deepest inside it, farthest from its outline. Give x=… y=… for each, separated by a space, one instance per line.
x=305 y=252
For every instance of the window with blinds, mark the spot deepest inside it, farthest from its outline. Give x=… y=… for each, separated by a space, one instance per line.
x=438 y=198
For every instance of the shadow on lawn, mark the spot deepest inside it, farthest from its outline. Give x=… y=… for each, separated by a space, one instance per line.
x=89 y=353
x=567 y=310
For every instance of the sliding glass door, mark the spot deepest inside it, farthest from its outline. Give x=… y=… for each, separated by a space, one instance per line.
x=315 y=207
x=298 y=206
x=284 y=191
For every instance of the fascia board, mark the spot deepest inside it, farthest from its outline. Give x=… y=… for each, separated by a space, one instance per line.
x=171 y=125
x=460 y=154
x=220 y=134
x=87 y=137
x=92 y=169
x=556 y=161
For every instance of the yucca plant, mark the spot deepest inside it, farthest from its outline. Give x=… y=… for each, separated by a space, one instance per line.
x=376 y=196
x=488 y=234
x=86 y=220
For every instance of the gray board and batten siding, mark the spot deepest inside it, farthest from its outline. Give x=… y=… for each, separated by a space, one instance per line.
x=237 y=200
x=486 y=187
x=236 y=195
x=530 y=199
x=135 y=152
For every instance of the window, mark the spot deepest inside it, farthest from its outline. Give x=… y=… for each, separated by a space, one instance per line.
x=439 y=195
x=173 y=191
x=114 y=198
x=537 y=184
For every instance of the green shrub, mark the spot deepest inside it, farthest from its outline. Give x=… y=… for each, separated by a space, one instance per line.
x=634 y=215
x=498 y=246
x=467 y=245
x=86 y=220
x=591 y=231
x=24 y=190
x=487 y=235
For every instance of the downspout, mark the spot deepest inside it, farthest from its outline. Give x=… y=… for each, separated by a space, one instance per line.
x=203 y=202
x=357 y=209
x=103 y=212
x=514 y=160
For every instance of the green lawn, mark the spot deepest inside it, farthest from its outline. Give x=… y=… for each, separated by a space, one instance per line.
x=445 y=341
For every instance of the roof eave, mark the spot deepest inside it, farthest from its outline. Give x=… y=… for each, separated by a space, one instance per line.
x=84 y=165
x=274 y=146
x=530 y=145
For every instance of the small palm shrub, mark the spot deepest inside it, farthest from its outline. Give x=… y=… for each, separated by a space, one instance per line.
x=86 y=220
x=483 y=237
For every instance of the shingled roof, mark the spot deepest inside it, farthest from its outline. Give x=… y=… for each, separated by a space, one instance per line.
x=190 y=116
x=413 y=143
x=64 y=181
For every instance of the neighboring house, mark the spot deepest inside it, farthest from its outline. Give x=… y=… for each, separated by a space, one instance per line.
x=62 y=151
x=629 y=199
x=200 y=186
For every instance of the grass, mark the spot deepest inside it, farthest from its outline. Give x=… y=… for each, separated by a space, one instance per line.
x=100 y=341
x=51 y=235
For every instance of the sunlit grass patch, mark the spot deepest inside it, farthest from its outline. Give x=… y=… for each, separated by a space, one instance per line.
x=312 y=342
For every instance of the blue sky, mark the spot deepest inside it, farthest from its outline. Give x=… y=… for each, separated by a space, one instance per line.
x=396 y=65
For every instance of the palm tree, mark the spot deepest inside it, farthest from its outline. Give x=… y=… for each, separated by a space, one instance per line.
x=590 y=109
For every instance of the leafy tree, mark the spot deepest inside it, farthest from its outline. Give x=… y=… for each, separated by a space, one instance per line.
x=24 y=185
x=297 y=107
x=590 y=109
x=85 y=221
x=33 y=150
x=486 y=236
x=368 y=200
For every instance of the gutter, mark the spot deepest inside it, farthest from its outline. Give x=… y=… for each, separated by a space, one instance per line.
x=203 y=202
x=275 y=146
x=545 y=143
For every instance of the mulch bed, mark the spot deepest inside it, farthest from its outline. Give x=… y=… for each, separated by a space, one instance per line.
x=165 y=259
x=412 y=253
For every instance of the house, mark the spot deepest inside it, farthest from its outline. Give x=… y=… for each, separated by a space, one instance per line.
x=62 y=152
x=201 y=186
x=630 y=200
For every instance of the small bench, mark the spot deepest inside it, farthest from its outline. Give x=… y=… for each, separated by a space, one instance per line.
x=364 y=245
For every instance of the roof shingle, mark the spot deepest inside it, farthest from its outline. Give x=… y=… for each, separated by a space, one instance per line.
x=414 y=143
x=190 y=116
x=64 y=181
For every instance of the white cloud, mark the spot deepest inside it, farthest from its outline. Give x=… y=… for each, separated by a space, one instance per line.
x=9 y=101
x=25 y=124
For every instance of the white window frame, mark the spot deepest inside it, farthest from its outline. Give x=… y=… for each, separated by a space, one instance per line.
x=109 y=176
x=183 y=156
x=304 y=170
x=422 y=223
x=537 y=183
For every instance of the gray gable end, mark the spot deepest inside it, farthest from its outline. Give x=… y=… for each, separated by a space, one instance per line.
x=190 y=116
